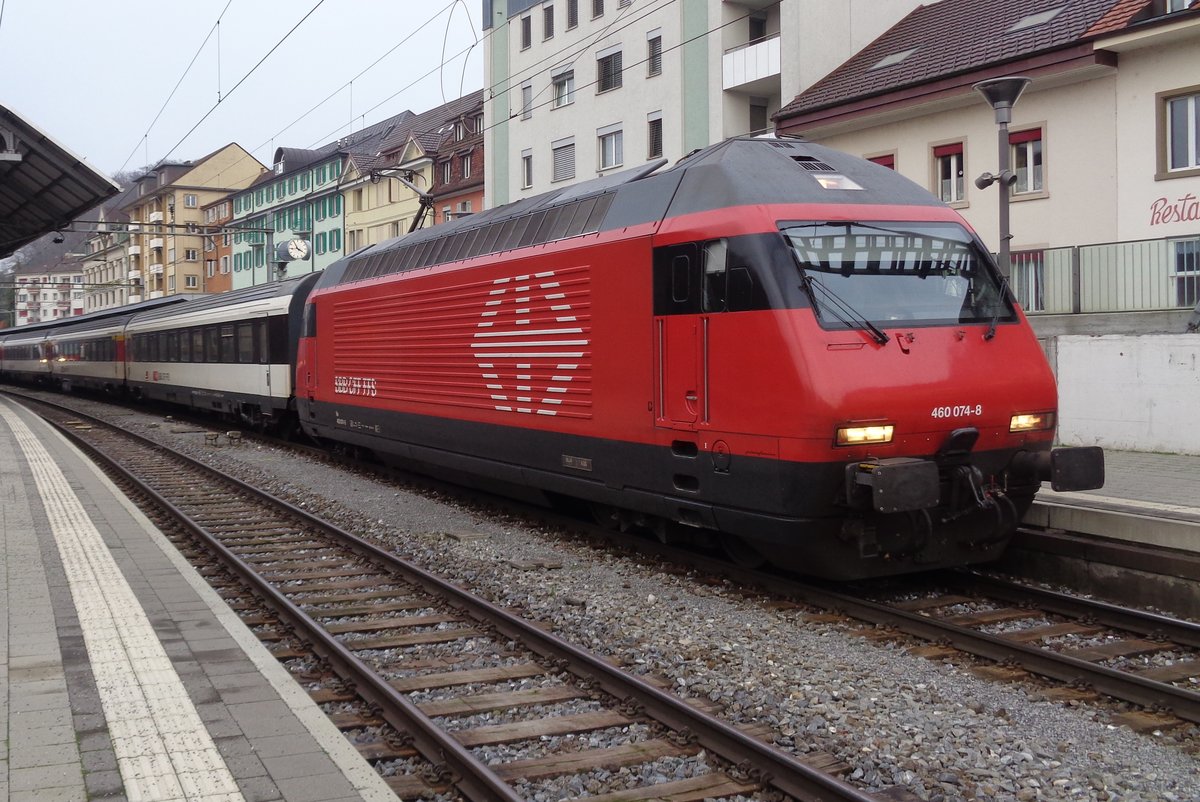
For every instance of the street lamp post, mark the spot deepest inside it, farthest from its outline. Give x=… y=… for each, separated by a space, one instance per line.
x=1001 y=94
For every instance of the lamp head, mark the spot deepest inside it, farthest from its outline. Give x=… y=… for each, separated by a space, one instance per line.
x=1002 y=94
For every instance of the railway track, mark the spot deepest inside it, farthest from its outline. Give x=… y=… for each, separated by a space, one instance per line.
x=440 y=689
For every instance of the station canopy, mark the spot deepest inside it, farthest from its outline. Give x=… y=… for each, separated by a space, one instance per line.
x=43 y=186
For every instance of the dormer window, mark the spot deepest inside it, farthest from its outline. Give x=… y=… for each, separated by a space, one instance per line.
x=279 y=167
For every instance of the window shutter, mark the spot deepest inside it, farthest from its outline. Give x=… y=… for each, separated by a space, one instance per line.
x=526 y=102
x=564 y=162
x=655 y=60
x=572 y=13
x=655 y=137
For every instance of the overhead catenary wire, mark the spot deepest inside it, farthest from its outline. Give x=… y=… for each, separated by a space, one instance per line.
x=214 y=29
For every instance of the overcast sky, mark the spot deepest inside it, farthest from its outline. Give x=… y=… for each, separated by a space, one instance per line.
x=94 y=75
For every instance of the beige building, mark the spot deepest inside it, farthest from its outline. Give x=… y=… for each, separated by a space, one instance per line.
x=166 y=218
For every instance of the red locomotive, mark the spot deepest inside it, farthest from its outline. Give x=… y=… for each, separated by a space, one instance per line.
x=790 y=349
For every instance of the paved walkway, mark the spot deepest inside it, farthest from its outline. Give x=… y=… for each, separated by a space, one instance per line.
x=122 y=674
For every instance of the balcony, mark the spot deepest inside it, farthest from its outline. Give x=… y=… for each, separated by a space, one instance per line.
x=134 y=275
x=156 y=242
x=135 y=250
x=156 y=217
x=155 y=294
x=752 y=68
x=156 y=270
x=135 y=299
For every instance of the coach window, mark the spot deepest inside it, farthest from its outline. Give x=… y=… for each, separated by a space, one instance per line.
x=260 y=335
x=172 y=354
x=227 y=345
x=245 y=343
x=197 y=345
x=715 y=277
x=212 y=344
x=185 y=346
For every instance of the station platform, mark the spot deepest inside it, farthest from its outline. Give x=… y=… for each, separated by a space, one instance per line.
x=122 y=674
x=1150 y=499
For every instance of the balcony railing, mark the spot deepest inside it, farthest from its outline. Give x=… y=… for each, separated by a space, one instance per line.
x=750 y=62
x=135 y=250
x=133 y=275
x=1133 y=276
x=156 y=294
x=156 y=242
x=135 y=299
x=156 y=217
x=156 y=269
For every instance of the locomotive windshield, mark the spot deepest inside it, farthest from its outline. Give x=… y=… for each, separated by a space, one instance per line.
x=860 y=275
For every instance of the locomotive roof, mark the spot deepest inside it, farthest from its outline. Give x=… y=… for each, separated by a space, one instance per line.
x=737 y=172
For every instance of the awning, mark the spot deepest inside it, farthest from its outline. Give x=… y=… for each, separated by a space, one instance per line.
x=43 y=186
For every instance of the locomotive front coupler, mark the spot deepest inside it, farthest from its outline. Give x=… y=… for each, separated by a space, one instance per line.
x=896 y=484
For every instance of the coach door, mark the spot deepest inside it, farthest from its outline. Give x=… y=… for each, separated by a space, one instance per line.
x=679 y=332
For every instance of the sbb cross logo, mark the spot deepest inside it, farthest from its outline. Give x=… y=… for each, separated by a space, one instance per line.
x=528 y=344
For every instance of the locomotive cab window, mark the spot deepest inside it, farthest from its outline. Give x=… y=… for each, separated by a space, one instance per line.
x=716 y=276
x=859 y=275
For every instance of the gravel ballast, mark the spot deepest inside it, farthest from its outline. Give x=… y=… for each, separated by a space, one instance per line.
x=932 y=727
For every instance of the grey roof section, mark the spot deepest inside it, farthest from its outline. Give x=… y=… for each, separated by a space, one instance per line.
x=429 y=127
x=288 y=287
x=43 y=186
x=734 y=173
x=101 y=318
x=948 y=38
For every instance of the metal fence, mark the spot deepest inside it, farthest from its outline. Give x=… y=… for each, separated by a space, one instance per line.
x=1139 y=275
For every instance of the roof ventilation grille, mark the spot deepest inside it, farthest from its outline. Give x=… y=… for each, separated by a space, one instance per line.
x=812 y=165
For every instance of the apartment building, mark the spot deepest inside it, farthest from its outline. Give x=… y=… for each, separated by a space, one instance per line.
x=218 y=246
x=49 y=292
x=580 y=88
x=106 y=269
x=166 y=219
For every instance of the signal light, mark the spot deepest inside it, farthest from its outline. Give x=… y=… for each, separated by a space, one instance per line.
x=859 y=435
x=1031 y=422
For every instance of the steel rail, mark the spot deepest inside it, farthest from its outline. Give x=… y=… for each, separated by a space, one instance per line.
x=770 y=765
x=471 y=776
x=1185 y=633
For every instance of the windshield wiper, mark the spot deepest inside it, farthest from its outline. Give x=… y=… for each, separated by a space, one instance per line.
x=991 y=332
x=842 y=310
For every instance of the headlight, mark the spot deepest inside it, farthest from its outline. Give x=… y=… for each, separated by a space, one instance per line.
x=857 y=435
x=1031 y=422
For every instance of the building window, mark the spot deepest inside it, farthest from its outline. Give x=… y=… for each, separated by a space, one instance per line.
x=548 y=22
x=654 y=139
x=190 y=255
x=611 y=145
x=526 y=32
x=758 y=114
x=189 y=201
x=563 y=153
x=948 y=167
x=1187 y=272
x=224 y=264
x=191 y=282
x=572 y=13
x=447 y=172
x=597 y=8
x=526 y=101
x=464 y=166
x=564 y=89
x=526 y=169
x=1183 y=132
x=887 y=160
x=1027 y=160
x=446 y=216
x=608 y=72
x=654 y=55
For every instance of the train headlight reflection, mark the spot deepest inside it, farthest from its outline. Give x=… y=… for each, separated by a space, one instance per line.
x=1031 y=422
x=857 y=435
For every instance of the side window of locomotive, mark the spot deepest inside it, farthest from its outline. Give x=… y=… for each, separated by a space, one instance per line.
x=681 y=275
x=715 y=275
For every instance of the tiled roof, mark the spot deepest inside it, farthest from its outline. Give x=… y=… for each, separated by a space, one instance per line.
x=427 y=127
x=948 y=38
